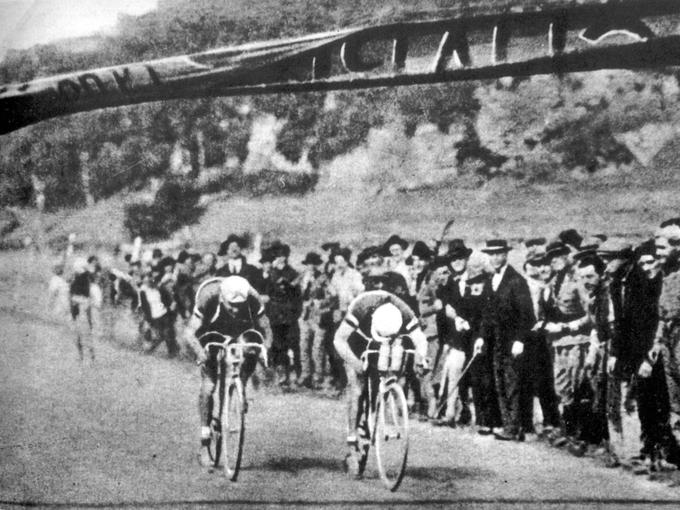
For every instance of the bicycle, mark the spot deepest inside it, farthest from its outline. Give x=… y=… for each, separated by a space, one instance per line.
x=227 y=427
x=382 y=417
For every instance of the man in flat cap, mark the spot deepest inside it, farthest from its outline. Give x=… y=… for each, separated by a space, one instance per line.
x=667 y=337
x=315 y=302
x=233 y=262
x=563 y=322
x=506 y=322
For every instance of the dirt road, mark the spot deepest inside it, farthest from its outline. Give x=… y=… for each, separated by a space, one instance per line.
x=123 y=433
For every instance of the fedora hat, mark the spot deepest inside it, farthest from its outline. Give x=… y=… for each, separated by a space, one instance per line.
x=313 y=258
x=496 y=246
x=458 y=250
x=395 y=239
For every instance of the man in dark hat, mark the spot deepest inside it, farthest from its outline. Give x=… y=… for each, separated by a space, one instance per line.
x=667 y=337
x=233 y=263
x=565 y=326
x=433 y=324
x=376 y=276
x=418 y=262
x=463 y=306
x=315 y=302
x=284 y=309
x=571 y=238
x=507 y=319
x=659 y=447
x=628 y=346
x=395 y=253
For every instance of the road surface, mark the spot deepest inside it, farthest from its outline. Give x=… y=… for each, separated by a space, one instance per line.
x=123 y=433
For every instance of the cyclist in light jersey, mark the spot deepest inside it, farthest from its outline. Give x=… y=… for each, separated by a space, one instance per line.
x=228 y=306
x=374 y=315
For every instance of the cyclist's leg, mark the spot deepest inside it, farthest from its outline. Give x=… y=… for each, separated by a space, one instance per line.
x=353 y=394
x=205 y=398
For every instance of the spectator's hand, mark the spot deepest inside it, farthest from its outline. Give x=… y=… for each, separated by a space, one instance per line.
x=438 y=305
x=337 y=316
x=517 y=348
x=645 y=370
x=422 y=369
x=479 y=345
x=538 y=326
x=201 y=357
x=553 y=327
x=462 y=324
x=611 y=365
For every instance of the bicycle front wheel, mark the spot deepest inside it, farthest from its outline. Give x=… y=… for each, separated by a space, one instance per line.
x=391 y=435
x=233 y=429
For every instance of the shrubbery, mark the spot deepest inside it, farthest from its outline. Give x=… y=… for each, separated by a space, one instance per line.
x=175 y=205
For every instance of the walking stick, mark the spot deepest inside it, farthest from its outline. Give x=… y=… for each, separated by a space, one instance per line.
x=442 y=398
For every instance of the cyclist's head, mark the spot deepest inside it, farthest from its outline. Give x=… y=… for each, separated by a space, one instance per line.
x=234 y=290
x=386 y=322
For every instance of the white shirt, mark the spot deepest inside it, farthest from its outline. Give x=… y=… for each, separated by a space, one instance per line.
x=497 y=277
x=462 y=282
x=235 y=266
x=153 y=297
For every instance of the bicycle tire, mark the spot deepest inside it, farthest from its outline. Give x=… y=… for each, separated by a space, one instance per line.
x=215 y=445
x=233 y=429
x=391 y=431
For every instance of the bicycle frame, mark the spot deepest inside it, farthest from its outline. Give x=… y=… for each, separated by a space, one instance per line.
x=386 y=378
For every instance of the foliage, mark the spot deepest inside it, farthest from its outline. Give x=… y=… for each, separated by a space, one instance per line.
x=175 y=205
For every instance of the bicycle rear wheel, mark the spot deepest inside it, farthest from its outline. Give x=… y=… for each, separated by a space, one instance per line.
x=233 y=429
x=391 y=436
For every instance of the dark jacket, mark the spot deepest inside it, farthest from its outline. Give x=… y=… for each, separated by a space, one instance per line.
x=285 y=296
x=508 y=314
x=249 y=272
x=469 y=306
x=166 y=299
x=634 y=301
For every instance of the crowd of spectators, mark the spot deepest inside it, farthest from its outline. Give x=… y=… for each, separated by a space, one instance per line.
x=578 y=344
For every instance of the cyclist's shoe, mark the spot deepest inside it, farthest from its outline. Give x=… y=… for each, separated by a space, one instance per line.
x=350 y=465
x=204 y=458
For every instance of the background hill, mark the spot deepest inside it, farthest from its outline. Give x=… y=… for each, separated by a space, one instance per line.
x=414 y=153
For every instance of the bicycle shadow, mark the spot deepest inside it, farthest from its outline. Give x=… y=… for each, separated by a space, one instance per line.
x=294 y=465
x=446 y=474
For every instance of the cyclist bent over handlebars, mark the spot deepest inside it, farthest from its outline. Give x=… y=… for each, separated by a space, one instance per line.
x=380 y=316
x=229 y=306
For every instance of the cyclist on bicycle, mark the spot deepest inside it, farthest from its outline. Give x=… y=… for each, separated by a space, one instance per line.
x=229 y=306
x=378 y=316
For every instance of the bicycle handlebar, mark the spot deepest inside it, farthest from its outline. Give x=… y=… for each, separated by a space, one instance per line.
x=239 y=344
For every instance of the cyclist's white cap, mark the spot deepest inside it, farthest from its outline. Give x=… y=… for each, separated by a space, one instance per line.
x=386 y=322
x=79 y=265
x=234 y=289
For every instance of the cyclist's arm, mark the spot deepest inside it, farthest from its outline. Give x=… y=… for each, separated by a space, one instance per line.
x=420 y=342
x=190 y=336
x=341 y=344
x=262 y=324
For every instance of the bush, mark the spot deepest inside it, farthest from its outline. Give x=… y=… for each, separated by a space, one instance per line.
x=175 y=205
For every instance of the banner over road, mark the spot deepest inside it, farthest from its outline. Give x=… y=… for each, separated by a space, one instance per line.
x=511 y=38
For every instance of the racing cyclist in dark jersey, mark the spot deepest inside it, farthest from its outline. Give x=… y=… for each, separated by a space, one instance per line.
x=374 y=315
x=229 y=306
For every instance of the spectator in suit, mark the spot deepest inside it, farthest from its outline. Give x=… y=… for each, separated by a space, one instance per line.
x=233 y=263
x=507 y=319
x=284 y=309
